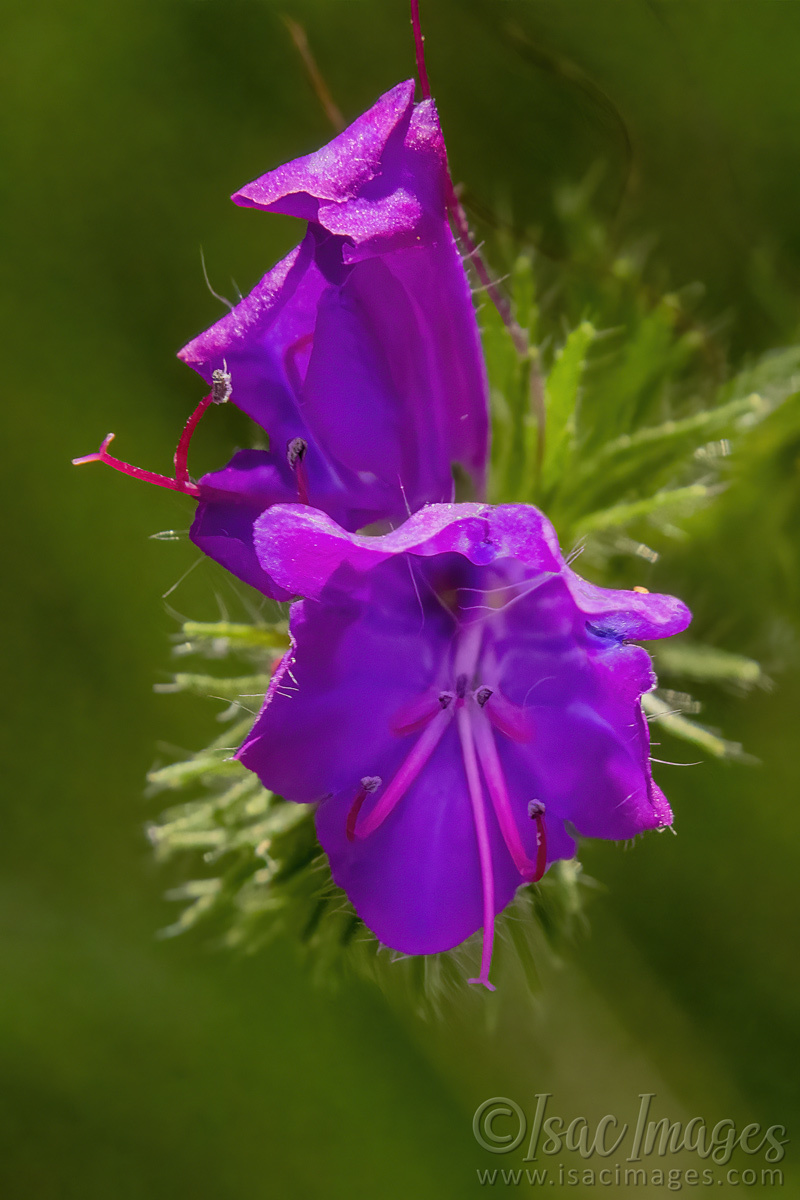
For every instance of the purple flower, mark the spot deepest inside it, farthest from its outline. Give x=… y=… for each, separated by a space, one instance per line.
x=359 y=353
x=460 y=704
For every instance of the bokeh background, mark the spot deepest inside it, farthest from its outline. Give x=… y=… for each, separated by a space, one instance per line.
x=136 y=1067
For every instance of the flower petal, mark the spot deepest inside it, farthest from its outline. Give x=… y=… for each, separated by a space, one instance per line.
x=231 y=501
x=264 y=340
x=356 y=664
x=305 y=549
x=381 y=183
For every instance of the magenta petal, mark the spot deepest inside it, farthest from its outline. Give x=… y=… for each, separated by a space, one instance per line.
x=305 y=549
x=339 y=170
x=263 y=343
x=441 y=341
x=349 y=396
x=354 y=667
x=381 y=184
x=231 y=500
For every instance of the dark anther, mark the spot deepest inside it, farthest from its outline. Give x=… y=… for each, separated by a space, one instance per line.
x=221 y=386
x=461 y=686
x=296 y=451
x=446 y=699
x=535 y=809
x=482 y=695
x=371 y=783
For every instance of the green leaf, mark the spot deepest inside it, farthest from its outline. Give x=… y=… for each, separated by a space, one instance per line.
x=215 y=688
x=662 y=714
x=708 y=664
x=561 y=399
x=677 y=501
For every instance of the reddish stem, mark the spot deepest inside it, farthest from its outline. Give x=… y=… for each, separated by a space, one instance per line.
x=501 y=303
x=419 y=47
x=519 y=336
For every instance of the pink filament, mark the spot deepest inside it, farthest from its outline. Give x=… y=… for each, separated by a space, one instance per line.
x=484 y=847
x=102 y=455
x=417 y=713
x=352 y=816
x=408 y=771
x=301 y=478
x=419 y=48
x=509 y=718
x=541 y=849
x=498 y=791
x=182 y=449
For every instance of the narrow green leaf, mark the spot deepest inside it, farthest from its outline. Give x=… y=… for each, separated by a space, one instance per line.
x=216 y=688
x=709 y=664
x=178 y=775
x=689 y=731
x=561 y=398
x=273 y=636
x=670 y=502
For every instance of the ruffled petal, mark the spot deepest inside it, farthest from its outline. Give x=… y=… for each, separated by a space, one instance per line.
x=340 y=170
x=381 y=183
x=305 y=549
x=622 y=614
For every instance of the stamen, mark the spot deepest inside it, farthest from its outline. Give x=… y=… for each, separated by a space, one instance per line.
x=369 y=784
x=509 y=718
x=419 y=711
x=498 y=791
x=295 y=453
x=102 y=455
x=484 y=847
x=408 y=771
x=536 y=813
x=461 y=687
x=482 y=695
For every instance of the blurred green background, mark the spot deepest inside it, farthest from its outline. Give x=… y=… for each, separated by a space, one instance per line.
x=132 y=1067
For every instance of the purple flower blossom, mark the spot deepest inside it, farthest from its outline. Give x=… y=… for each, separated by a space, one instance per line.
x=361 y=346
x=358 y=354
x=461 y=704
